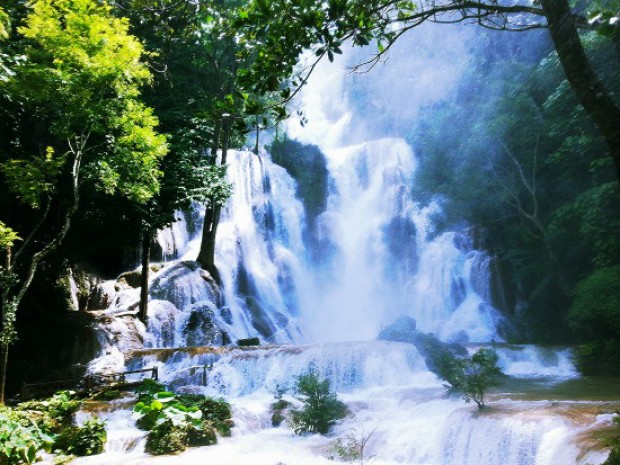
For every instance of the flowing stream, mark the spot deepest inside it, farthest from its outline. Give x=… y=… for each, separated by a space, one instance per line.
x=382 y=258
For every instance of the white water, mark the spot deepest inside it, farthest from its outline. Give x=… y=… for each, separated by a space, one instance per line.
x=387 y=261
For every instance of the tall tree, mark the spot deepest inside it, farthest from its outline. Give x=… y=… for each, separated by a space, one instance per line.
x=76 y=97
x=284 y=29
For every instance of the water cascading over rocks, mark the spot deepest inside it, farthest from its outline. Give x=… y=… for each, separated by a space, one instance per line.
x=323 y=292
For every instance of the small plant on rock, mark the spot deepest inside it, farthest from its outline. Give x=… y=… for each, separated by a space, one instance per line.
x=353 y=447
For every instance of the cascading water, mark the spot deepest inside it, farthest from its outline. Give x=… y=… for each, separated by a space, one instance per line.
x=386 y=260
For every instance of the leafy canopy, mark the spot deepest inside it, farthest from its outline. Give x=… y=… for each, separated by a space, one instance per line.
x=83 y=72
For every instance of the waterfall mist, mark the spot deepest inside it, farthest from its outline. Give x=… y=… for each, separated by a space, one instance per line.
x=323 y=288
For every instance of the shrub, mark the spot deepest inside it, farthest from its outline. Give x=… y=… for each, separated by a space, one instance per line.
x=175 y=421
x=595 y=314
x=88 y=439
x=20 y=438
x=321 y=408
x=32 y=426
x=59 y=408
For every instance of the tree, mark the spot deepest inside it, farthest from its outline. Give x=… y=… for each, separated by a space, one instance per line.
x=472 y=377
x=321 y=408
x=79 y=83
x=199 y=94
x=595 y=315
x=284 y=29
x=189 y=176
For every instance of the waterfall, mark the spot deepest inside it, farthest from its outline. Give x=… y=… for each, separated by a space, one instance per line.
x=382 y=257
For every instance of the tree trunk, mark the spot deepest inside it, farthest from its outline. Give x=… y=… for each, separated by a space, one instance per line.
x=589 y=90
x=144 y=278
x=257 y=135
x=4 y=347
x=206 y=256
x=4 y=361
x=40 y=256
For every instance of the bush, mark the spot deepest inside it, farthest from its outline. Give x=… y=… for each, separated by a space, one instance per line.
x=183 y=419
x=59 y=408
x=20 y=438
x=595 y=314
x=321 y=408
x=88 y=439
x=32 y=426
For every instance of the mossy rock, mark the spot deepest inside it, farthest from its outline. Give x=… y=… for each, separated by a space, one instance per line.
x=249 y=342
x=167 y=438
x=205 y=436
x=279 y=409
x=131 y=278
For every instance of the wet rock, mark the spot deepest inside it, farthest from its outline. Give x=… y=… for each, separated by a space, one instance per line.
x=248 y=342
x=260 y=318
x=161 y=323
x=131 y=278
x=226 y=315
x=185 y=284
x=201 y=327
x=280 y=410
x=402 y=330
x=435 y=352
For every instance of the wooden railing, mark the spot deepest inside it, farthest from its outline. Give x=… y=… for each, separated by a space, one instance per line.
x=119 y=378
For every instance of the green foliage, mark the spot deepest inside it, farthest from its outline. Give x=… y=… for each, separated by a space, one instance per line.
x=595 y=316
x=175 y=421
x=8 y=237
x=4 y=24
x=79 y=53
x=321 y=408
x=529 y=170
x=31 y=180
x=596 y=306
x=164 y=406
x=8 y=334
x=206 y=435
x=59 y=408
x=88 y=439
x=472 y=377
x=34 y=426
x=20 y=438
x=614 y=446
x=353 y=447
